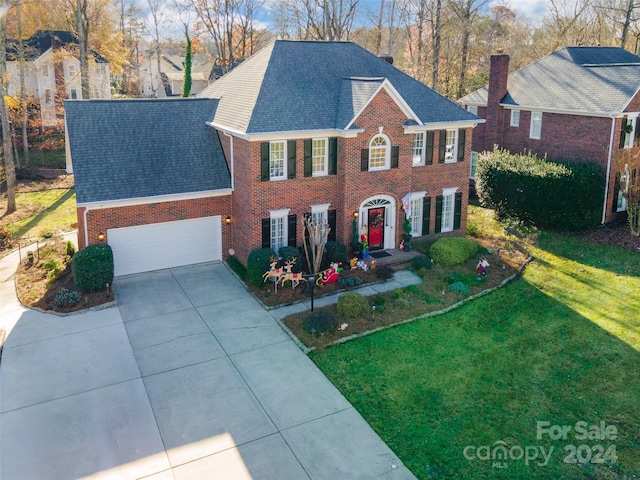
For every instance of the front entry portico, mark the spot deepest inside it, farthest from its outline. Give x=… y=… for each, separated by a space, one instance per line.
x=377 y=218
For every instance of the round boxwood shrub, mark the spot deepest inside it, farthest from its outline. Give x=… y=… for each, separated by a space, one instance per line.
x=384 y=272
x=453 y=250
x=334 y=252
x=258 y=262
x=418 y=263
x=288 y=254
x=92 y=267
x=320 y=321
x=352 y=305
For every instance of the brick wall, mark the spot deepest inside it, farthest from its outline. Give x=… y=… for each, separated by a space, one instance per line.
x=100 y=220
x=253 y=199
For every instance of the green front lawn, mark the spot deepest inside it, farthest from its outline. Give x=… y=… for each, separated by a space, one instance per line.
x=43 y=213
x=559 y=345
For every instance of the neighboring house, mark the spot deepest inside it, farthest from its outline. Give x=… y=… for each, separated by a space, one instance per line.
x=324 y=129
x=172 y=75
x=52 y=71
x=578 y=103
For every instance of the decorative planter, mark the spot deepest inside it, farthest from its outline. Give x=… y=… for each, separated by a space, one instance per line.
x=407 y=242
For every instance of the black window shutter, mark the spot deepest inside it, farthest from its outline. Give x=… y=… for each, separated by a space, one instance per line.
x=461 y=137
x=457 y=213
x=292 y=237
x=616 y=192
x=306 y=232
x=308 y=157
x=636 y=140
x=443 y=146
x=426 y=215
x=264 y=161
x=333 y=156
x=266 y=233
x=291 y=153
x=331 y=220
x=623 y=129
x=438 y=227
x=395 y=153
x=364 y=159
x=428 y=155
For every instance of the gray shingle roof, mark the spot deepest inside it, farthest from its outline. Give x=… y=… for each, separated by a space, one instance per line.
x=578 y=79
x=299 y=85
x=41 y=41
x=125 y=149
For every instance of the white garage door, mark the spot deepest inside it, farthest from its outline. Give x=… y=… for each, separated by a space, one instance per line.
x=165 y=245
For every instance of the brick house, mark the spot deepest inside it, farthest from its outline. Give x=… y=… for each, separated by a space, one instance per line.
x=578 y=103
x=324 y=129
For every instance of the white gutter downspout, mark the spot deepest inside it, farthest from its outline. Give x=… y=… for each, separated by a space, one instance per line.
x=86 y=228
x=232 y=159
x=606 y=184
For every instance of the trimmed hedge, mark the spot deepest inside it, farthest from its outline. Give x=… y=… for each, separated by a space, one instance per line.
x=565 y=196
x=92 y=267
x=452 y=250
x=258 y=262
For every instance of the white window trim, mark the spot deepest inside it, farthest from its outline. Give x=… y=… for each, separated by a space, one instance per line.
x=418 y=161
x=283 y=213
x=448 y=192
x=629 y=138
x=473 y=163
x=621 y=199
x=454 y=157
x=284 y=169
x=532 y=134
x=417 y=196
x=325 y=172
x=515 y=118
x=387 y=159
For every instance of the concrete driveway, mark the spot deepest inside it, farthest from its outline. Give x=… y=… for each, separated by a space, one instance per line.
x=188 y=378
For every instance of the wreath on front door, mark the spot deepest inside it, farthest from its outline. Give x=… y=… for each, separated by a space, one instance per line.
x=376 y=222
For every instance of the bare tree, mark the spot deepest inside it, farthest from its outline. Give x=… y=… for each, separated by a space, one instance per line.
x=9 y=167
x=23 y=93
x=314 y=248
x=154 y=26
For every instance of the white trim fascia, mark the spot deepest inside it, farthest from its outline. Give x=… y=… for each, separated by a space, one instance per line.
x=440 y=125
x=395 y=96
x=130 y=202
x=632 y=98
x=609 y=158
x=562 y=111
x=289 y=134
x=449 y=191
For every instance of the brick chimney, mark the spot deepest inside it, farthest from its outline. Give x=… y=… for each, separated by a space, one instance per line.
x=498 y=75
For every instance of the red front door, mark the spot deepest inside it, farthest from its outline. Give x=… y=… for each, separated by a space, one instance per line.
x=376 y=228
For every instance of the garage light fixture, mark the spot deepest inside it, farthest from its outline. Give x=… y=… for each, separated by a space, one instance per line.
x=227 y=220
x=101 y=236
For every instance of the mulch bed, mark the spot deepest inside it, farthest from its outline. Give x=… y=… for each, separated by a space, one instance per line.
x=613 y=234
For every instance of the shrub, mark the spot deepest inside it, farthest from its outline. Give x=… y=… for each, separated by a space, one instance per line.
x=320 y=321
x=6 y=238
x=92 y=267
x=459 y=287
x=565 y=196
x=53 y=268
x=402 y=303
x=66 y=298
x=289 y=253
x=71 y=249
x=420 y=262
x=30 y=257
x=334 y=252
x=453 y=250
x=472 y=228
x=396 y=294
x=237 y=267
x=379 y=300
x=384 y=272
x=257 y=263
x=352 y=305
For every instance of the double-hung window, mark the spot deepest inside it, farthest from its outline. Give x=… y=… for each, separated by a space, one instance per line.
x=515 y=118
x=450 y=153
x=472 y=109
x=277 y=159
x=448 y=209
x=416 y=217
x=474 y=165
x=418 y=148
x=319 y=159
x=536 y=125
x=320 y=218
